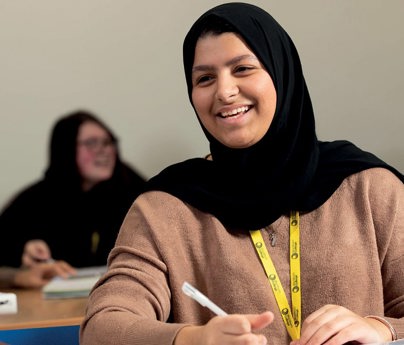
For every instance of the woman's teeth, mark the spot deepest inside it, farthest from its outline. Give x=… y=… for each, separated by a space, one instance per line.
x=234 y=112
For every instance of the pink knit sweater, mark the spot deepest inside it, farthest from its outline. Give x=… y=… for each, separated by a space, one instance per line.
x=352 y=254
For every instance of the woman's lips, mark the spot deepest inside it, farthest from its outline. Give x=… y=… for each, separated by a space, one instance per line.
x=234 y=112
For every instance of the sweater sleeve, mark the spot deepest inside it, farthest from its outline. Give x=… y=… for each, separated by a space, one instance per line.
x=131 y=303
x=388 y=213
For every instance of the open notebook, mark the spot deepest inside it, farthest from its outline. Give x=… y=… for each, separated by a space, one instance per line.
x=79 y=285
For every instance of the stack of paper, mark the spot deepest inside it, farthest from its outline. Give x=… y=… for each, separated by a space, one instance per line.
x=79 y=285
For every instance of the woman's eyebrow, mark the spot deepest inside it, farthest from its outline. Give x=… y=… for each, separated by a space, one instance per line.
x=228 y=63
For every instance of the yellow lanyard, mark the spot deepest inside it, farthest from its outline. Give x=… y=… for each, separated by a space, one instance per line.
x=291 y=317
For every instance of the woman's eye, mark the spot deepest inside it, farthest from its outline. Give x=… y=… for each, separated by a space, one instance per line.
x=203 y=79
x=240 y=69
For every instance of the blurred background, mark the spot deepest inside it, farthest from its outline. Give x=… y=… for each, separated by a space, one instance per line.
x=122 y=60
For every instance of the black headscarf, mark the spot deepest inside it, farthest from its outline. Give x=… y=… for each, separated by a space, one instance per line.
x=288 y=169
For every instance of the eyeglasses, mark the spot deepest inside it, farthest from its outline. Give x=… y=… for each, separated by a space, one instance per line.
x=94 y=144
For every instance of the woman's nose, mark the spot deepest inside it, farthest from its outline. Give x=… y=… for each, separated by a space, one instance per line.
x=227 y=88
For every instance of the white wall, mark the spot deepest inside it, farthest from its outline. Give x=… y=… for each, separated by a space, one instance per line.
x=122 y=60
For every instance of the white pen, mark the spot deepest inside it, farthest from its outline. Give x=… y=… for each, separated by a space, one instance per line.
x=198 y=296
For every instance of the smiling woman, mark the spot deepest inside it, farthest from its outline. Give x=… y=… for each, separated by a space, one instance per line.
x=75 y=211
x=269 y=183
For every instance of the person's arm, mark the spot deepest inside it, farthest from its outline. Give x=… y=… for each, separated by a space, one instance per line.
x=40 y=274
x=389 y=218
x=385 y=194
x=134 y=302
x=131 y=302
x=34 y=277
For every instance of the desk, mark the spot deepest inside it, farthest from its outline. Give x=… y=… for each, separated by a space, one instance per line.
x=35 y=311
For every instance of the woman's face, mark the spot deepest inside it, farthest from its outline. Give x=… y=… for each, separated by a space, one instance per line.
x=95 y=155
x=232 y=93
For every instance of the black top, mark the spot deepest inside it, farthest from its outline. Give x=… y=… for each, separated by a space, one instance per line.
x=56 y=210
x=289 y=169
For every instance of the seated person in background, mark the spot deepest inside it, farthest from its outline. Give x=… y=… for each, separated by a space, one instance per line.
x=33 y=277
x=75 y=211
x=331 y=216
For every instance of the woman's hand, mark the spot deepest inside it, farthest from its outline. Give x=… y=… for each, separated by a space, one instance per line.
x=335 y=325
x=35 y=251
x=40 y=274
x=232 y=329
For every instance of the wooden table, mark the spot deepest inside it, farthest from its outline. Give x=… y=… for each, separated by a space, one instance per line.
x=35 y=311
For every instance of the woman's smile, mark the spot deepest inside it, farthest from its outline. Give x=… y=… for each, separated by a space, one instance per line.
x=235 y=112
